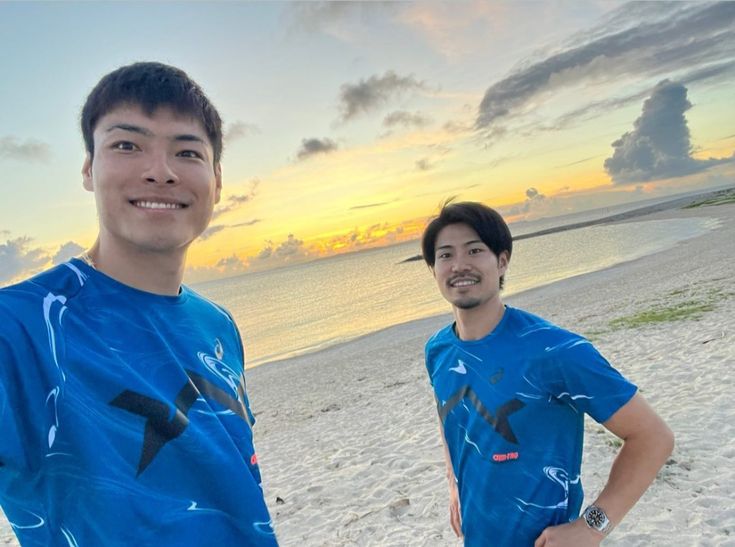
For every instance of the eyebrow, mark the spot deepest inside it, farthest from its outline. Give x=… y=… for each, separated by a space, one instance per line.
x=186 y=137
x=467 y=244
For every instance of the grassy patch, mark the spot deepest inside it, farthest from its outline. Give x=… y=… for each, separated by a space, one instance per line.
x=677 y=312
x=727 y=196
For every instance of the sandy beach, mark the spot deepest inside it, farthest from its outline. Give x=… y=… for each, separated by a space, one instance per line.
x=348 y=437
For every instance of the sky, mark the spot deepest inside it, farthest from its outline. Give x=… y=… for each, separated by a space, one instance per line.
x=347 y=124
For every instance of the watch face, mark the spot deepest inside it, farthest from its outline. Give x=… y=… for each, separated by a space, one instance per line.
x=596 y=518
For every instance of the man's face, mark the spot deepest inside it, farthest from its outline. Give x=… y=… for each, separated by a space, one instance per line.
x=466 y=270
x=153 y=178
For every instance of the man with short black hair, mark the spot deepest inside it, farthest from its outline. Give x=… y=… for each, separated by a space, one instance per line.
x=123 y=413
x=512 y=390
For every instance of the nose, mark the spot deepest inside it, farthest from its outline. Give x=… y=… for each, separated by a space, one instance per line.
x=460 y=265
x=159 y=171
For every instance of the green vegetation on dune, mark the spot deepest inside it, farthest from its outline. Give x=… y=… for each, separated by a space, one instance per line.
x=693 y=302
x=677 y=312
x=726 y=196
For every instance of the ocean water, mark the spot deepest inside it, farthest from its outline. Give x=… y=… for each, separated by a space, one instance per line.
x=303 y=308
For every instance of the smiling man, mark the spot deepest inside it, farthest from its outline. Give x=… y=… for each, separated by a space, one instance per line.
x=512 y=390
x=123 y=413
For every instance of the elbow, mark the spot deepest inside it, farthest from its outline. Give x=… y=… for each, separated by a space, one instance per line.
x=668 y=440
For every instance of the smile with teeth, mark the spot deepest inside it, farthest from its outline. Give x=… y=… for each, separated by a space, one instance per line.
x=464 y=282
x=157 y=205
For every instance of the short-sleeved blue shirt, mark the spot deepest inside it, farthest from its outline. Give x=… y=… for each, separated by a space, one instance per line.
x=123 y=417
x=512 y=407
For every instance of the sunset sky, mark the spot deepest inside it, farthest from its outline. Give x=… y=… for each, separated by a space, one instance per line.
x=348 y=123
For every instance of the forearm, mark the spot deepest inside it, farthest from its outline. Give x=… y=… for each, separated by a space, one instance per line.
x=642 y=455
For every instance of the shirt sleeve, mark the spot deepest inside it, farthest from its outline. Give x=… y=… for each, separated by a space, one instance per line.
x=587 y=381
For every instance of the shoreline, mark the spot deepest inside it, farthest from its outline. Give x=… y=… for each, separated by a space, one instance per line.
x=652 y=211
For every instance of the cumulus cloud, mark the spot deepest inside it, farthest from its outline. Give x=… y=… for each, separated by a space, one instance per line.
x=369 y=95
x=406 y=119
x=312 y=147
x=534 y=202
x=30 y=150
x=634 y=41
x=288 y=250
x=238 y=130
x=659 y=145
x=68 y=250
x=17 y=257
x=225 y=267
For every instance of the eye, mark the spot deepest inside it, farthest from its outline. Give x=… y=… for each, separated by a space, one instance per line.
x=190 y=154
x=124 y=146
x=476 y=250
x=443 y=255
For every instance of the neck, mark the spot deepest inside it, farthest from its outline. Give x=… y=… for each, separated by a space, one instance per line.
x=147 y=271
x=476 y=323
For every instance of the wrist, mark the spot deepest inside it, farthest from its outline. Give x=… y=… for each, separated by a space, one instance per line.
x=595 y=518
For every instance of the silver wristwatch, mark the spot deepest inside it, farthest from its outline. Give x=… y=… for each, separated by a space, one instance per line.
x=596 y=519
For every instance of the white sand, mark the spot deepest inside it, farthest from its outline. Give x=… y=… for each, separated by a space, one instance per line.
x=348 y=437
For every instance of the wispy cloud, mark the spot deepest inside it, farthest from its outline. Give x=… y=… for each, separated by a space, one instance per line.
x=312 y=147
x=28 y=150
x=369 y=95
x=217 y=228
x=238 y=130
x=369 y=205
x=424 y=164
x=659 y=146
x=632 y=42
x=235 y=201
x=403 y=118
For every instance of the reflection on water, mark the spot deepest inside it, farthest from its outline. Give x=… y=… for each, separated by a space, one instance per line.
x=299 y=309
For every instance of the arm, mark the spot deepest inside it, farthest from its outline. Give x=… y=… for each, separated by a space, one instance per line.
x=455 y=518
x=647 y=443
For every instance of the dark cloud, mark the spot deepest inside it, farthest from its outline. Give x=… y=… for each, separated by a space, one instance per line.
x=16 y=258
x=659 y=145
x=68 y=250
x=238 y=130
x=312 y=147
x=642 y=40
x=368 y=95
x=30 y=150
x=406 y=119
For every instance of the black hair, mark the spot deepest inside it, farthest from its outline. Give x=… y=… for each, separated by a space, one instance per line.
x=150 y=86
x=487 y=222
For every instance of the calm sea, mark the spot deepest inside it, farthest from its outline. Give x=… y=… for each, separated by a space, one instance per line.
x=307 y=307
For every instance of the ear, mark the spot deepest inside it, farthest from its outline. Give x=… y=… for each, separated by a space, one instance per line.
x=87 y=173
x=218 y=182
x=503 y=261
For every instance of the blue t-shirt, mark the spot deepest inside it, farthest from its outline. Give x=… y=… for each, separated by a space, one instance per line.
x=512 y=406
x=123 y=417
